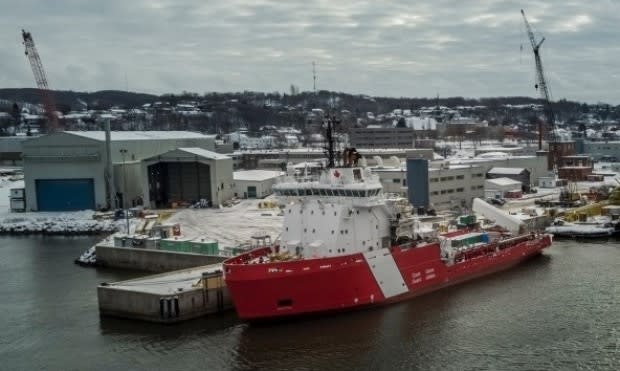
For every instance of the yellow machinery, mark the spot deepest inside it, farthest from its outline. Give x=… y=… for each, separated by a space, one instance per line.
x=583 y=212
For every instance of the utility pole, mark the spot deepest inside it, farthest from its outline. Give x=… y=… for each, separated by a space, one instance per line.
x=123 y=153
x=314 y=77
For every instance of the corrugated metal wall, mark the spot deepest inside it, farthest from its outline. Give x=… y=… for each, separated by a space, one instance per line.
x=188 y=181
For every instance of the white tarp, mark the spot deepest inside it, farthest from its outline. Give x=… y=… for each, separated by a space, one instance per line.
x=499 y=216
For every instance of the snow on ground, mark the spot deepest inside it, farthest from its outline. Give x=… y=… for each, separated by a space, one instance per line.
x=230 y=226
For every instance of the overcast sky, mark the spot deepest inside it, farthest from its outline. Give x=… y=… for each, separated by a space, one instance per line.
x=387 y=48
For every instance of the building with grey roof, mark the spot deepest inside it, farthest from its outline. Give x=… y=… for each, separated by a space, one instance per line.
x=68 y=170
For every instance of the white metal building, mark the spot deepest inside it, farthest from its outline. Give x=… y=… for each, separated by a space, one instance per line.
x=67 y=170
x=255 y=183
x=497 y=187
x=185 y=176
x=457 y=184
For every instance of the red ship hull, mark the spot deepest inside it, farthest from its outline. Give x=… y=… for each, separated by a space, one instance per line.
x=310 y=286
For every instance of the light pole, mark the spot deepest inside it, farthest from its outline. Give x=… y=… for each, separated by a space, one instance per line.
x=123 y=152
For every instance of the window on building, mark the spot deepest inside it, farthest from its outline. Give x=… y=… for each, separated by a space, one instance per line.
x=460 y=177
x=460 y=189
x=395 y=180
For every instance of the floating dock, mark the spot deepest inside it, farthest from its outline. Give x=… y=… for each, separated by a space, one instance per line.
x=168 y=297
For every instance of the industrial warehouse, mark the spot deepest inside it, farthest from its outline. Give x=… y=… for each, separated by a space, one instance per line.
x=75 y=170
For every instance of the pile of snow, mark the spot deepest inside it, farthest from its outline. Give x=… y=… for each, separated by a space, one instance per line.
x=88 y=257
x=78 y=222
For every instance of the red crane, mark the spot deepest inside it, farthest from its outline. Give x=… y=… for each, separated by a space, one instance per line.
x=541 y=84
x=41 y=79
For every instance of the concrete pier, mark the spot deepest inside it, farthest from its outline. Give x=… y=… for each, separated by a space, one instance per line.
x=168 y=297
x=151 y=260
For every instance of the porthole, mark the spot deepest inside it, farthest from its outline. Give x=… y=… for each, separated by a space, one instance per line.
x=358 y=212
x=332 y=231
x=334 y=213
x=305 y=230
x=346 y=231
x=313 y=230
x=312 y=212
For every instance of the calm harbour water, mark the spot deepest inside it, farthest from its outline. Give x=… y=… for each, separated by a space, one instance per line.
x=559 y=311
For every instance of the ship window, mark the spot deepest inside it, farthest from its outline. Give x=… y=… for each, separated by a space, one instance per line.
x=313 y=230
x=284 y=303
x=308 y=192
x=349 y=193
x=289 y=211
x=305 y=230
x=332 y=231
x=322 y=192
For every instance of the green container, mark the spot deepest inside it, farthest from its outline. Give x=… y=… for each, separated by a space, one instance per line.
x=205 y=246
x=178 y=245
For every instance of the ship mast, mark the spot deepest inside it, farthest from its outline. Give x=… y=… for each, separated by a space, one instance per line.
x=330 y=144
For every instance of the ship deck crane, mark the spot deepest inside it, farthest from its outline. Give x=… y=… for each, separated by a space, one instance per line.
x=41 y=80
x=541 y=84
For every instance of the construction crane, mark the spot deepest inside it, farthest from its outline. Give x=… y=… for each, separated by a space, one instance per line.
x=41 y=80
x=541 y=84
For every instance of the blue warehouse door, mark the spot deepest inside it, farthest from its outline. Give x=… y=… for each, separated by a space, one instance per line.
x=65 y=194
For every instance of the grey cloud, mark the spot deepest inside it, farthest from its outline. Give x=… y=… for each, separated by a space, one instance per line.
x=395 y=48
